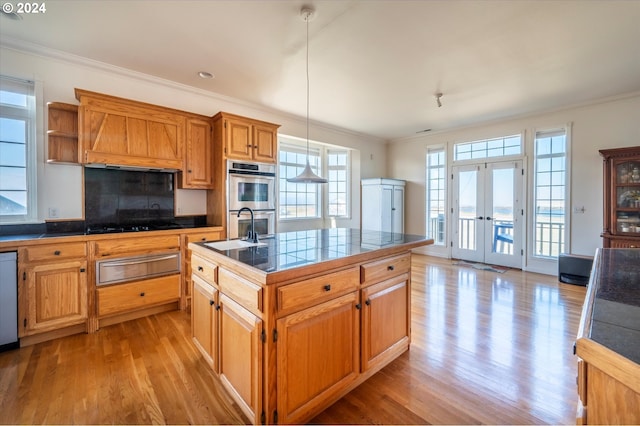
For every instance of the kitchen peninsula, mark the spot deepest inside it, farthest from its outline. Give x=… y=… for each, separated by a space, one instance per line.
x=608 y=344
x=294 y=323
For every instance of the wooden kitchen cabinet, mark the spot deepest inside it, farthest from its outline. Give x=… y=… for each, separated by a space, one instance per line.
x=186 y=262
x=53 y=290
x=198 y=168
x=204 y=320
x=621 y=168
x=241 y=356
x=127 y=133
x=62 y=133
x=318 y=356
x=119 y=298
x=247 y=139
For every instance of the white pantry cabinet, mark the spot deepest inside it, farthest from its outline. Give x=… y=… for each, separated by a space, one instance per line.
x=383 y=205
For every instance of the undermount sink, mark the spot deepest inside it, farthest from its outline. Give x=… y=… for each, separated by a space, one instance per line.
x=233 y=244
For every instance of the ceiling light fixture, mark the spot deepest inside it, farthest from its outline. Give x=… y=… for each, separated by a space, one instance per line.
x=205 y=74
x=438 y=101
x=307 y=175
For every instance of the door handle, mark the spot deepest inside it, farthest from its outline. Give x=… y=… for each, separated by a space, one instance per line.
x=480 y=218
x=489 y=218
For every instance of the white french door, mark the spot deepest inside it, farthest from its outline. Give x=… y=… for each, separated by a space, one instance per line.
x=487 y=213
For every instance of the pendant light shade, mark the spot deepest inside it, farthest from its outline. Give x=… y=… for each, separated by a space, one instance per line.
x=307 y=175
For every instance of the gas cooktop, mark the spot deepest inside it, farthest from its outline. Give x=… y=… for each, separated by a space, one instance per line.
x=110 y=228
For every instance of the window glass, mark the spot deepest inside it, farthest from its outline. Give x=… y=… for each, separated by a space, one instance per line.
x=488 y=148
x=436 y=195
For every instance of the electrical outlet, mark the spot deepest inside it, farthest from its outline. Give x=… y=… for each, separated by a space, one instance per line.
x=53 y=212
x=578 y=210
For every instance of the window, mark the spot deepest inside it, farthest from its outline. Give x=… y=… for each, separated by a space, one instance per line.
x=306 y=201
x=17 y=150
x=337 y=167
x=436 y=195
x=498 y=147
x=550 y=193
x=298 y=200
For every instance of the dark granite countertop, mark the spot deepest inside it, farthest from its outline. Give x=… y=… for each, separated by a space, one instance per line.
x=288 y=250
x=616 y=309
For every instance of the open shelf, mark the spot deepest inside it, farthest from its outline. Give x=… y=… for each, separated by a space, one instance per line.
x=63 y=133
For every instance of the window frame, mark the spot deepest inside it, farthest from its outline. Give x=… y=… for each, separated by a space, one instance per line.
x=33 y=117
x=435 y=149
x=322 y=195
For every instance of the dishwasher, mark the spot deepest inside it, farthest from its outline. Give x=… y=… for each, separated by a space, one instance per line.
x=8 y=301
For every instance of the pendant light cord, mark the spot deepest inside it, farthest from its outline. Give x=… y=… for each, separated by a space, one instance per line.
x=307 y=22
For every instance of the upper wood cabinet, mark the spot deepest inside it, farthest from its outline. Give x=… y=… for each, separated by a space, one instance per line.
x=128 y=133
x=247 y=139
x=621 y=197
x=62 y=133
x=198 y=163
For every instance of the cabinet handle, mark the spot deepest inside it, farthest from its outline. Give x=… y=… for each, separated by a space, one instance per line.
x=57 y=252
x=327 y=287
x=211 y=302
x=367 y=302
x=217 y=307
x=200 y=268
x=390 y=268
x=358 y=306
x=142 y=294
x=203 y=239
x=82 y=269
x=188 y=171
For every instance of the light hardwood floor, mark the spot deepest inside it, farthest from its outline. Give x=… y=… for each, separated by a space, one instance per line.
x=486 y=348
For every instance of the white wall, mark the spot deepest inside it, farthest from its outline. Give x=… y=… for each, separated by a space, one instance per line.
x=60 y=186
x=610 y=123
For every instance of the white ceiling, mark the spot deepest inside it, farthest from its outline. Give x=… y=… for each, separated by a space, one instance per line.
x=375 y=65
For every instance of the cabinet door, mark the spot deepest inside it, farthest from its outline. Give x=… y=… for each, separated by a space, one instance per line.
x=56 y=296
x=198 y=155
x=265 y=143
x=204 y=320
x=386 y=203
x=241 y=356
x=385 y=321
x=238 y=138
x=397 y=210
x=317 y=356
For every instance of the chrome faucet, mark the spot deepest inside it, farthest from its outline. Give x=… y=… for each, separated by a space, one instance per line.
x=251 y=235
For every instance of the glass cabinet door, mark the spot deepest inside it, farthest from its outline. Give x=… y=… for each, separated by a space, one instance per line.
x=627 y=192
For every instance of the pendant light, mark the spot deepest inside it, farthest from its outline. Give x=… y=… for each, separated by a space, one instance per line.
x=307 y=175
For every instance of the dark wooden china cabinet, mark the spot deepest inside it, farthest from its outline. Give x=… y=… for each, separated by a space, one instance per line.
x=621 y=197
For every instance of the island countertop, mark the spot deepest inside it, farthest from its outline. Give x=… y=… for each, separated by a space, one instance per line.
x=321 y=249
x=615 y=319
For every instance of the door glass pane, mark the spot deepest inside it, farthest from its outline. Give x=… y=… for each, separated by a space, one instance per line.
x=502 y=214
x=467 y=209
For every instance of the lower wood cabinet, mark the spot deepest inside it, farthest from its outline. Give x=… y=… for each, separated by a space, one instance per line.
x=204 y=320
x=53 y=296
x=386 y=321
x=318 y=356
x=241 y=356
x=120 y=298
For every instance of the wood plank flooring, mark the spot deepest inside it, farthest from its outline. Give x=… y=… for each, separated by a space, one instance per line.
x=486 y=348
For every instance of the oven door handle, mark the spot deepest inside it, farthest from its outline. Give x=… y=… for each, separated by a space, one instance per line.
x=137 y=262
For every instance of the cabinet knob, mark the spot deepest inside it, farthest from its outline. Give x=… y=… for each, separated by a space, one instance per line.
x=390 y=268
x=358 y=306
x=211 y=302
x=327 y=287
x=200 y=268
x=203 y=239
x=188 y=171
x=142 y=294
x=217 y=307
x=367 y=302
x=57 y=252
x=82 y=270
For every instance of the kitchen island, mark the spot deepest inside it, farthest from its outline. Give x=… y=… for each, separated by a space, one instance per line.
x=608 y=344
x=293 y=324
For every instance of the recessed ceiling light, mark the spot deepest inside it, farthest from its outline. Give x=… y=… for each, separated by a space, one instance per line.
x=205 y=74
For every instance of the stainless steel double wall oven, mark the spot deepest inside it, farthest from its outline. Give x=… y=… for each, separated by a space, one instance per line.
x=251 y=185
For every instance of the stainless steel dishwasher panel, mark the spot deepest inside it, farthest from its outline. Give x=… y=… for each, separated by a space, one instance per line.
x=111 y=271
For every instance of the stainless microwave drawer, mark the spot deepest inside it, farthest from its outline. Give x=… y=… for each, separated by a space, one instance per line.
x=131 y=268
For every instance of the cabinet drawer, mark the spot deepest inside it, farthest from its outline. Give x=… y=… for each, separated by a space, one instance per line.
x=204 y=269
x=385 y=268
x=201 y=237
x=138 y=244
x=139 y=294
x=315 y=290
x=244 y=292
x=615 y=243
x=55 y=251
